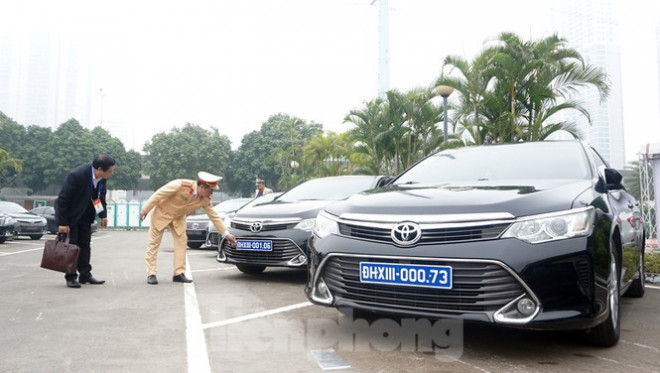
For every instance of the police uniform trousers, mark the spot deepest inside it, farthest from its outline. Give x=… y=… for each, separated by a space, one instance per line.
x=153 y=243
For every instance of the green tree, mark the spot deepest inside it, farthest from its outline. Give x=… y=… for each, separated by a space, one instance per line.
x=70 y=145
x=513 y=89
x=128 y=168
x=370 y=124
x=9 y=166
x=183 y=152
x=268 y=153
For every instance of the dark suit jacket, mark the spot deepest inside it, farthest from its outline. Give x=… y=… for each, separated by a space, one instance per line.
x=75 y=198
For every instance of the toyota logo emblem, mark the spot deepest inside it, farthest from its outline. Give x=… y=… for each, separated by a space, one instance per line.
x=256 y=227
x=195 y=226
x=406 y=233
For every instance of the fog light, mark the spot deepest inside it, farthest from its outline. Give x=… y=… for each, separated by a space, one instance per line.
x=221 y=256
x=321 y=293
x=526 y=306
x=299 y=260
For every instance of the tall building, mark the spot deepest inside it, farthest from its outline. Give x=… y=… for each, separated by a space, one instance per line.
x=43 y=81
x=590 y=27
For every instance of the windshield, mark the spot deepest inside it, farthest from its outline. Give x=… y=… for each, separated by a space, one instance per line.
x=551 y=160
x=331 y=189
x=11 y=207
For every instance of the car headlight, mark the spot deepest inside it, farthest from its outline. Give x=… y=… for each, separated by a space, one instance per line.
x=227 y=221
x=43 y=220
x=553 y=226
x=325 y=225
x=7 y=220
x=306 y=225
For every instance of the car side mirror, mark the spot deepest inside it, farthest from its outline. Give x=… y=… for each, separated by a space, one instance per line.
x=609 y=180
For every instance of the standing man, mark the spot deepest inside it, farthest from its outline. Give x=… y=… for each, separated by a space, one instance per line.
x=261 y=189
x=81 y=199
x=170 y=204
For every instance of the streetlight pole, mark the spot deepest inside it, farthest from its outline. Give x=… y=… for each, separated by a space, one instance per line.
x=444 y=91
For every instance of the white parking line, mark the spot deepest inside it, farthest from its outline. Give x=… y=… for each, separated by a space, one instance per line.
x=256 y=315
x=20 y=252
x=198 y=357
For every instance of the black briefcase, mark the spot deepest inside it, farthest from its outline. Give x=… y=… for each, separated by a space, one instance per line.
x=60 y=255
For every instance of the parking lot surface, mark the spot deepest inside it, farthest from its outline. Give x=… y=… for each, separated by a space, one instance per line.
x=226 y=321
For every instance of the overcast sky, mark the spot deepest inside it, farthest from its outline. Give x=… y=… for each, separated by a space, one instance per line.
x=232 y=64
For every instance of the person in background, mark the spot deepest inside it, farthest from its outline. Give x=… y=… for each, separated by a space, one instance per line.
x=261 y=189
x=170 y=205
x=80 y=200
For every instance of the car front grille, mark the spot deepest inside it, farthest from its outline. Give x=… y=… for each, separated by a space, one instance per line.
x=430 y=235
x=265 y=227
x=477 y=287
x=283 y=251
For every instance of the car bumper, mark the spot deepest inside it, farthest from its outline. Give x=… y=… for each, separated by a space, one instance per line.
x=289 y=249
x=30 y=230
x=196 y=235
x=490 y=281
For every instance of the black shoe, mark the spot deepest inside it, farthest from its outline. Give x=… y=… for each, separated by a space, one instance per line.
x=181 y=278
x=91 y=280
x=73 y=283
x=152 y=280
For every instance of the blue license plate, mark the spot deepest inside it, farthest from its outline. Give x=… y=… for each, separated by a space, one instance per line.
x=254 y=245
x=406 y=274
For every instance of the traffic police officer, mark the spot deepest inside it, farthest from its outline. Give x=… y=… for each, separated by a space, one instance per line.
x=170 y=205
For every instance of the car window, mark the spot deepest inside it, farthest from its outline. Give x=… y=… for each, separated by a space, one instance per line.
x=509 y=162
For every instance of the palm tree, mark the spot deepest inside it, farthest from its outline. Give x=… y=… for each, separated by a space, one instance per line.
x=538 y=79
x=9 y=165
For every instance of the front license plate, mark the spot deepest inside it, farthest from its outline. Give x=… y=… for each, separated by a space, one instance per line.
x=406 y=274
x=254 y=245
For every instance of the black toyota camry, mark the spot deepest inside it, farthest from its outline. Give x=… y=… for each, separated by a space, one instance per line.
x=536 y=235
x=275 y=233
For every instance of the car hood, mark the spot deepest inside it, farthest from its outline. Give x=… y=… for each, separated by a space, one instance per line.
x=25 y=216
x=203 y=217
x=279 y=209
x=519 y=198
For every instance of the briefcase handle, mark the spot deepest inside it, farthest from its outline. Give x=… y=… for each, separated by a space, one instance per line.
x=63 y=237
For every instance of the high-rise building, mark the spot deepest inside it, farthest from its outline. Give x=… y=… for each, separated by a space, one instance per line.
x=43 y=81
x=591 y=27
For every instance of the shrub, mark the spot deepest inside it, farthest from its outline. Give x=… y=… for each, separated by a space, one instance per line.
x=652 y=262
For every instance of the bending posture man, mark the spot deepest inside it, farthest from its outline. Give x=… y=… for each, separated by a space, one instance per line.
x=170 y=204
x=82 y=198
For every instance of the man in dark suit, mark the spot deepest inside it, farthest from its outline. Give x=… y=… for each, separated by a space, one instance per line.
x=81 y=199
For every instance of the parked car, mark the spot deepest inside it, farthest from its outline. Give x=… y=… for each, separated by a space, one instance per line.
x=197 y=226
x=26 y=223
x=274 y=234
x=6 y=227
x=48 y=213
x=212 y=237
x=530 y=235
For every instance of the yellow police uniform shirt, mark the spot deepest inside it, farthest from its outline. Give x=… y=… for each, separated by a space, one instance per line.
x=172 y=202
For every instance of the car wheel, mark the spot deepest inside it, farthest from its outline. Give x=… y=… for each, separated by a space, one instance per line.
x=194 y=245
x=250 y=270
x=607 y=333
x=637 y=287
x=36 y=236
x=3 y=239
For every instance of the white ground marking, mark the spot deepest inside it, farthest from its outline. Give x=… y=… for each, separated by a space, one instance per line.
x=256 y=315
x=198 y=357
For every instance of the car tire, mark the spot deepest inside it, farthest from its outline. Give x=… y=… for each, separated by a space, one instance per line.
x=637 y=287
x=194 y=245
x=607 y=333
x=3 y=239
x=36 y=236
x=249 y=269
